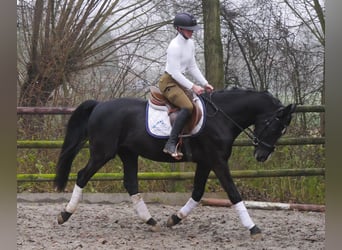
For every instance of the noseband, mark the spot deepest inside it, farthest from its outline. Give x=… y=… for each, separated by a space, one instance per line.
x=256 y=139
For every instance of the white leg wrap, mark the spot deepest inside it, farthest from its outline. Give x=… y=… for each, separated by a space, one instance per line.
x=187 y=208
x=75 y=199
x=243 y=214
x=140 y=207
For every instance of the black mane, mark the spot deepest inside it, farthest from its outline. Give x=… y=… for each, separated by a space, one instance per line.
x=236 y=93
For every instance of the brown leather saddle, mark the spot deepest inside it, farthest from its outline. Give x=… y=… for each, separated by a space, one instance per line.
x=158 y=99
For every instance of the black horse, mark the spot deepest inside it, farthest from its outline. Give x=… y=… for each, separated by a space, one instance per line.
x=117 y=127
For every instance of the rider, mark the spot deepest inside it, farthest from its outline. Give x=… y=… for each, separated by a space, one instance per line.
x=173 y=83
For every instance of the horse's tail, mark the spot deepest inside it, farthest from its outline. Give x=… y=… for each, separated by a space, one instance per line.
x=75 y=138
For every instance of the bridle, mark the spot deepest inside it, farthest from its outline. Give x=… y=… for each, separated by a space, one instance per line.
x=256 y=139
x=259 y=139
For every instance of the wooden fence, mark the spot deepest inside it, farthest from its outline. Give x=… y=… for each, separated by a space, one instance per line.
x=169 y=175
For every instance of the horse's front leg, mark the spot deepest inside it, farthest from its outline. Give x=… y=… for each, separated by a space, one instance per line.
x=223 y=174
x=201 y=176
x=130 y=162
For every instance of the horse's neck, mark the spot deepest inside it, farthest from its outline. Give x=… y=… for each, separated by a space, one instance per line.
x=243 y=107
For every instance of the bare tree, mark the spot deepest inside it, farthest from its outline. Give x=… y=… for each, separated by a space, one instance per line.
x=312 y=16
x=66 y=37
x=253 y=30
x=75 y=49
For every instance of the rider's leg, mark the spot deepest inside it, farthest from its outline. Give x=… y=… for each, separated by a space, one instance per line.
x=171 y=144
x=176 y=95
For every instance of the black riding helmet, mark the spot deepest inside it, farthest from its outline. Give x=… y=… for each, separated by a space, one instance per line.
x=185 y=21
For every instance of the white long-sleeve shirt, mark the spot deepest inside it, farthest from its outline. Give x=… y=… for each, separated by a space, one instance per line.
x=181 y=59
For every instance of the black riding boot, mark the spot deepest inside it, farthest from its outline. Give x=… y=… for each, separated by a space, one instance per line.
x=171 y=145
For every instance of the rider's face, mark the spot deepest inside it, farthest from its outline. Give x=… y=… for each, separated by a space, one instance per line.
x=187 y=33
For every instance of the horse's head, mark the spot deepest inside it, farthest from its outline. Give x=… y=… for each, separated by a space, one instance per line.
x=268 y=129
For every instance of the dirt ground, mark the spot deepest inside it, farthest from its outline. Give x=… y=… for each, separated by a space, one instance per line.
x=115 y=226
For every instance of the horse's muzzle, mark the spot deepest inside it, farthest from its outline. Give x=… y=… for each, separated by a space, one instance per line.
x=262 y=155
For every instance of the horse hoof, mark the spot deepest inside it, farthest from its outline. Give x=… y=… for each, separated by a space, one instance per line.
x=63 y=217
x=173 y=220
x=155 y=228
x=256 y=233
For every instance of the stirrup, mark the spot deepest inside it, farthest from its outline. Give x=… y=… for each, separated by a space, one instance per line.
x=177 y=154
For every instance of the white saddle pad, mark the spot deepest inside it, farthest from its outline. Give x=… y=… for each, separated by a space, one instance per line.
x=158 y=121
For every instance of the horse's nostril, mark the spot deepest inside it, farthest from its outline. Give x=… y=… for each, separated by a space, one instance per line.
x=261 y=156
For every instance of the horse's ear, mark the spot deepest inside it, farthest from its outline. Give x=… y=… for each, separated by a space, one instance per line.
x=289 y=109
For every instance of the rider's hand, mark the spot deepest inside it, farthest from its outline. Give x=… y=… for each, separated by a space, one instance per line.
x=208 y=87
x=197 y=89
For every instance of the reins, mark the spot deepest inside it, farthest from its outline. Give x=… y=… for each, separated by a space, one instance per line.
x=250 y=134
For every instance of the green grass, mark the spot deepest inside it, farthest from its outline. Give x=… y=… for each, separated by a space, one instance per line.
x=282 y=189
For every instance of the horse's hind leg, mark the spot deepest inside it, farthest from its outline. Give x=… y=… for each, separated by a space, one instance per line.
x=83 y=176
x=201 y=176
x=130 y=166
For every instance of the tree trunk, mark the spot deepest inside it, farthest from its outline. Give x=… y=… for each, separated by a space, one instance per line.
x=213 y=52
x=322 y=115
